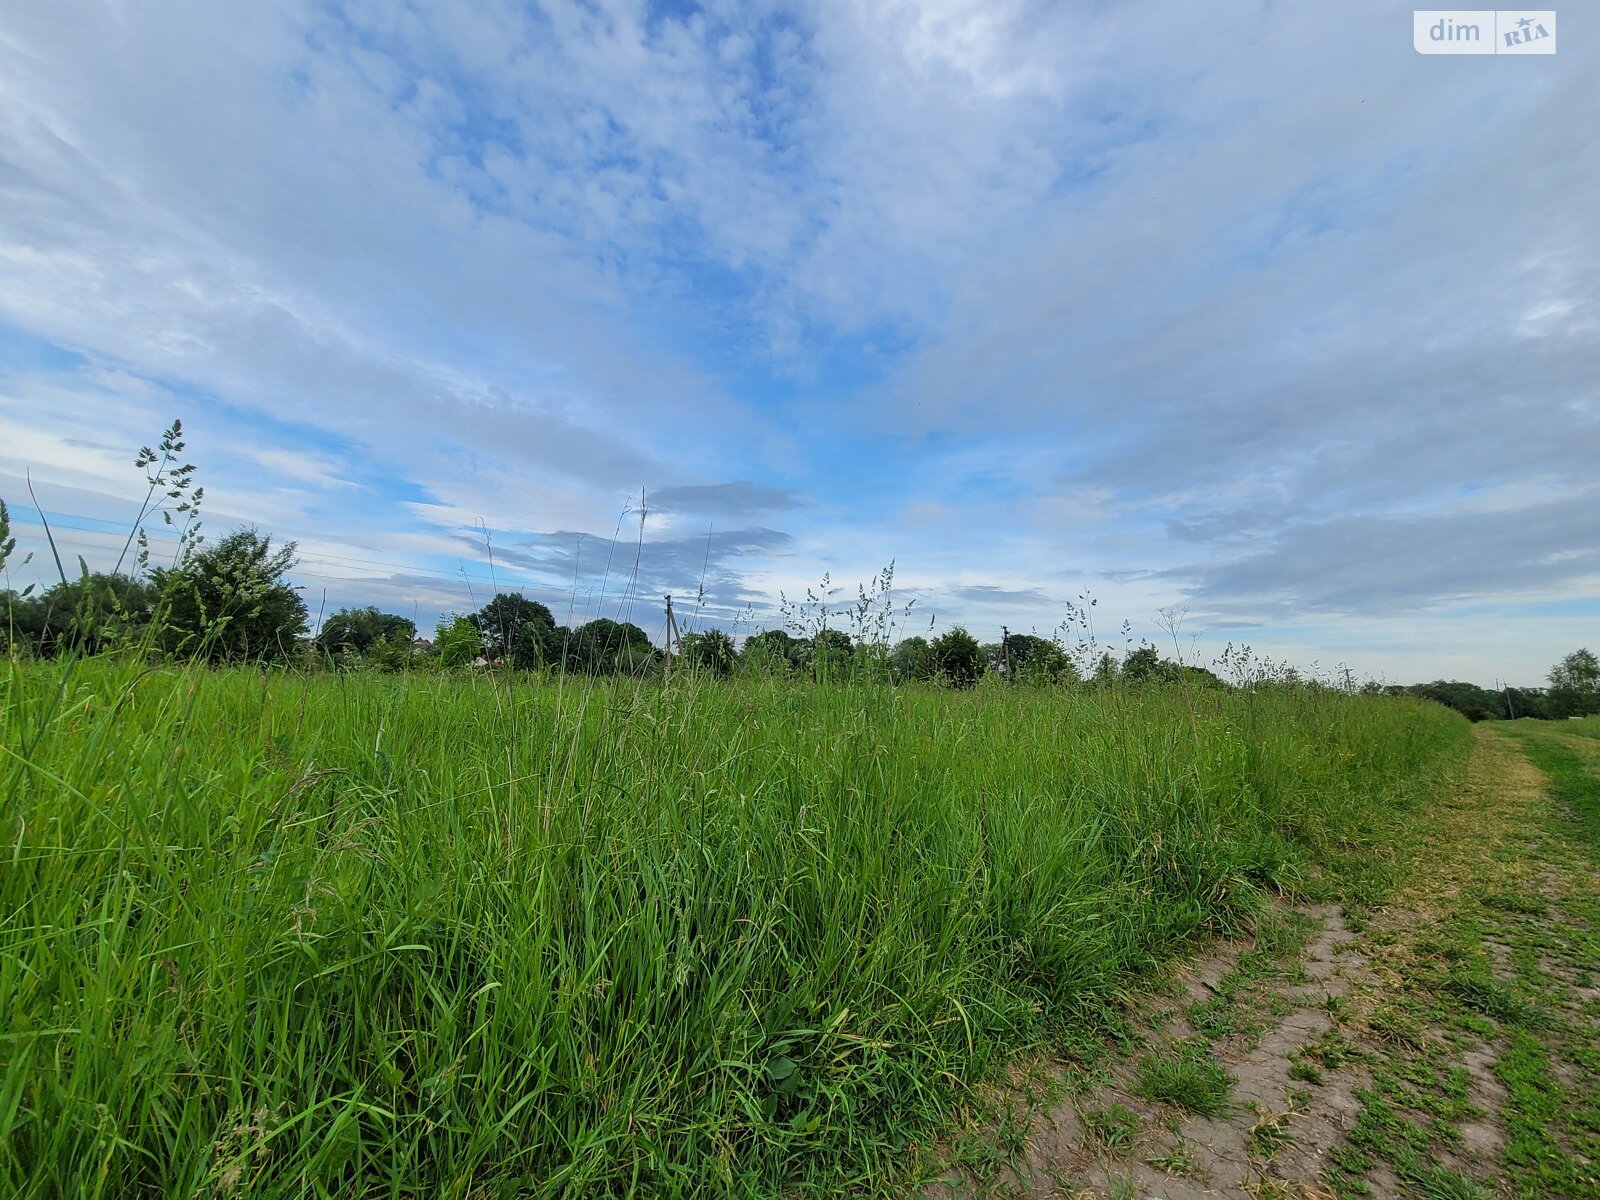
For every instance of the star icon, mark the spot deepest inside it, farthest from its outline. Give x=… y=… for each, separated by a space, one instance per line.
x=1525 y=22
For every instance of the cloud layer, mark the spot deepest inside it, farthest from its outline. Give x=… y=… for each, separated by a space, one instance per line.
x=1255 y=311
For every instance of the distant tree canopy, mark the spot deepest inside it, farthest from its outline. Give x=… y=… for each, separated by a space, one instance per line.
x=518 y=631
x=86 y=615
x=522 y=633
x=912 y=658
x=772 y=651
x=1201 y=677
x=230 y=602
x=1471 y=701
x=1145 y=665
x=1479 y=703
x=957 y=657
x=1106 y=670
x=1037 y=659
x=1575 y=686
x=604 y=646
x=708 y=650
x=829 y=653
x=358 y=630
x=830 y=641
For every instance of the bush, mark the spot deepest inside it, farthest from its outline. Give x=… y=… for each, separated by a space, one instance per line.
x=230 y=602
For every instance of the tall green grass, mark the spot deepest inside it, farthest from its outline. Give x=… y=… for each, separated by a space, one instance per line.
x=441 y=937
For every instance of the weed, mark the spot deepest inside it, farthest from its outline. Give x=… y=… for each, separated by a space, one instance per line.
x=1115 y=1127
x=1441 y=1183
x=1305 y=1070
x=1177 y=1161
x=1271 y=1133
x=1190 y=1078
x=1526 y=903
x=1333 y=1050
x=1492 y=998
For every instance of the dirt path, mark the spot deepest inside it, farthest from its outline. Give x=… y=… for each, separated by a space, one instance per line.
x=1445 y=1045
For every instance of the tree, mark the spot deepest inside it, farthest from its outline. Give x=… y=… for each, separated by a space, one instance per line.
x=603 y=646
x=1575 y=686
x=229 y=602
x=636 y=660
x=830 y=653
x=912 y=658
x=771 y=652
x=1468 y=699
x=18 y=610
x=1471 y=701
x=86 y=615
x=870 y=662
x=21 y=618
x=994 y=657
x=1145 y=665
x=1201 y=677
x=1039 y=660
x=1525 y=702
x=957 y=657
x=518 y=631
x=457 y=642
x=708 y=650
x=358 y=630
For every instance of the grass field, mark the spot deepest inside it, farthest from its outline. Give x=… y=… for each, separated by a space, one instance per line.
x=446 y=937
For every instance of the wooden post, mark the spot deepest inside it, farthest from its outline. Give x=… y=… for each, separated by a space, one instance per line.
x=1005 y=653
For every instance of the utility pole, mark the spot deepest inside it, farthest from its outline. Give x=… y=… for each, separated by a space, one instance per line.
x=1505 y=690
x=1005 y=653
x=673 y=639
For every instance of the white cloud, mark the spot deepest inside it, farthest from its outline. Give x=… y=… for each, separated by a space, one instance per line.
x=1020 y=294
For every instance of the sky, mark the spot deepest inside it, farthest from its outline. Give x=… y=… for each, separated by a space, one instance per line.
x=1243 y=310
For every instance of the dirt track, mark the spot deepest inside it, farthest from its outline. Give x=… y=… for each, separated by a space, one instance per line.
x=1443 y=1045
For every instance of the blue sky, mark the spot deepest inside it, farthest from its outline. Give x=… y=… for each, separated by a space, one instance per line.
x=1245 y=309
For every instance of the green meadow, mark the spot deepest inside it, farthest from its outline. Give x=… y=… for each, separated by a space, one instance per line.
x=355 y=935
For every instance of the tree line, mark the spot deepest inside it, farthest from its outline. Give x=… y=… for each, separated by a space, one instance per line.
x=231 y=602
x=1573 y=691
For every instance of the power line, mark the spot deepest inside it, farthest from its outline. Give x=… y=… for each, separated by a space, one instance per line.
x=158 y=536
x=498 y=580
x=329 y=560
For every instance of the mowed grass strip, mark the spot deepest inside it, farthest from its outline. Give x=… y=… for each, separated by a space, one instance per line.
x=351 y=935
